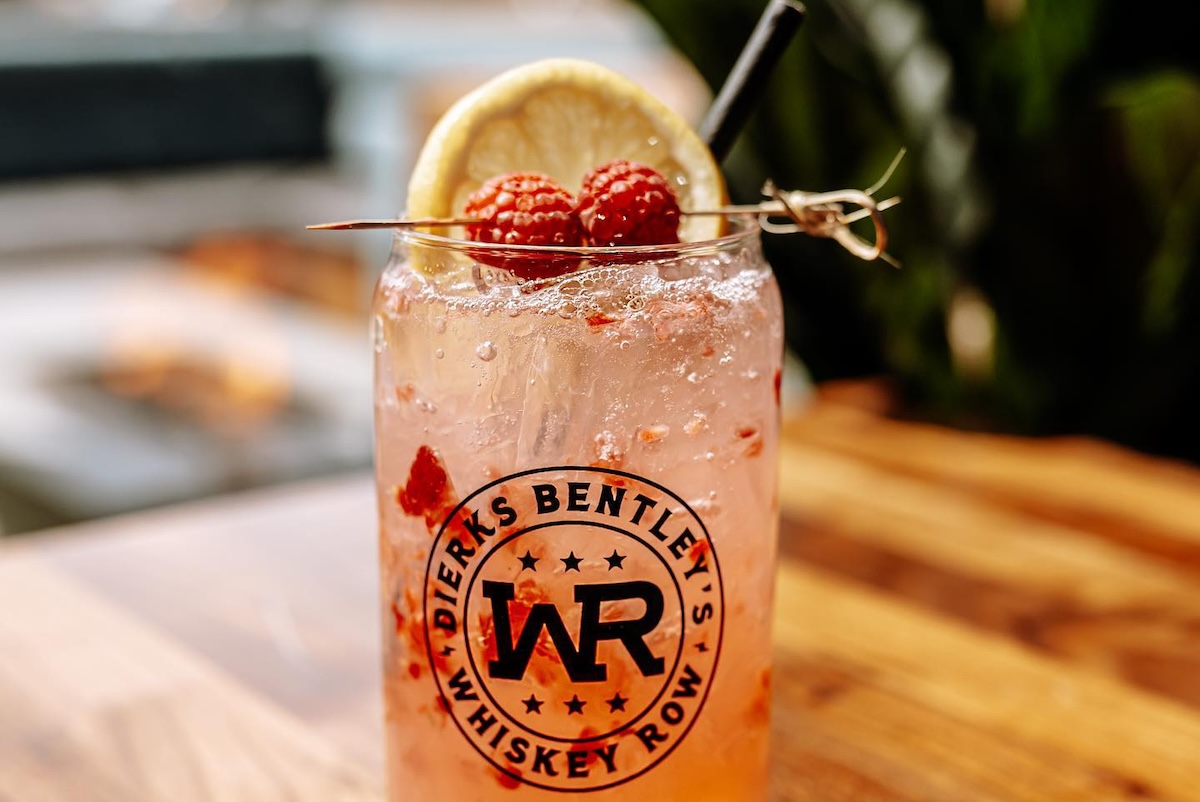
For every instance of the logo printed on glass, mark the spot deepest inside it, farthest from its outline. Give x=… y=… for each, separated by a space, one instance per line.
x=573 y=618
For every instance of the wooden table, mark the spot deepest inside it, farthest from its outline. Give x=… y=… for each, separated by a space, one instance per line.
x=961 y=617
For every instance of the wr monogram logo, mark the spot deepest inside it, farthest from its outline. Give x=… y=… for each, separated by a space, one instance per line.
x=573 y=622
x=580 y=662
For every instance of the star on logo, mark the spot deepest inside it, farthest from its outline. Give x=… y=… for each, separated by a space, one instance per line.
x=533 y=704
x=528 y=561
x=447 y=651
x=702 y=646
x=616 y=703
x=574 y=705
x=615 y=560
x=571 y=562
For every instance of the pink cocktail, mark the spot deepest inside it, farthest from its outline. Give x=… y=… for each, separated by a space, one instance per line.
x=577 y=491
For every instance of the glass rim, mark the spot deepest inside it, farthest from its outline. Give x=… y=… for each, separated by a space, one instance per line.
x=743 y=229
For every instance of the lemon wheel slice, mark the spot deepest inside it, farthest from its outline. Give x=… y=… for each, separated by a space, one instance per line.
x=562 y=117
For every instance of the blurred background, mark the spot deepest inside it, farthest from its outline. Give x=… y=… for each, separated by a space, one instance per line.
x=1050 y=229
x=168 y=331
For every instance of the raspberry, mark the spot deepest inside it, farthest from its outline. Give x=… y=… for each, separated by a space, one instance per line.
x=626 y=203
x=427 y=493
x=525 y=209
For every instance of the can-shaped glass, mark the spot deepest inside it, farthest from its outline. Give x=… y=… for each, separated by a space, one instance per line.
x=578 y=518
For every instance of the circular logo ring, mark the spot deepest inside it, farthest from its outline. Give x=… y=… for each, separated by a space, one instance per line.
x=573 y=620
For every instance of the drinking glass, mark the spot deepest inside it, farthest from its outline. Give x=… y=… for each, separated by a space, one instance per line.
x=578 y=518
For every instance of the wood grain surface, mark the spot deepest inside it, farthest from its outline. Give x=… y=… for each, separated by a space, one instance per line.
x=961 y=618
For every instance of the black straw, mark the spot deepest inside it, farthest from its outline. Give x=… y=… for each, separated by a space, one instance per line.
x=737 y=98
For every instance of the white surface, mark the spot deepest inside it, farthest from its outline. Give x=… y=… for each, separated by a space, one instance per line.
x=168 y=209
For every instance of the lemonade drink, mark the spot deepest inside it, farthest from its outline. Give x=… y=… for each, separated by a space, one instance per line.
x=577 y=492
